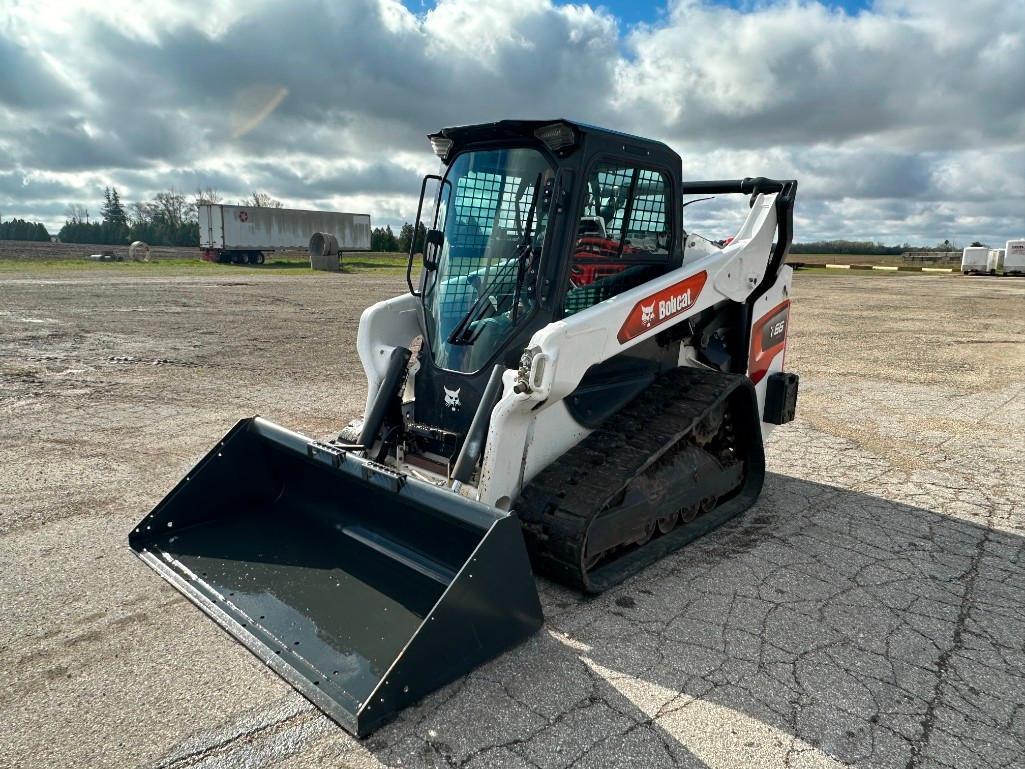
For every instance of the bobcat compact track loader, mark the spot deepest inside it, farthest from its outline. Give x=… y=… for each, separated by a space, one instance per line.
x=575 y=383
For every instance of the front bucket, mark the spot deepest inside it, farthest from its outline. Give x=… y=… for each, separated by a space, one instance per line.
x=365 y=589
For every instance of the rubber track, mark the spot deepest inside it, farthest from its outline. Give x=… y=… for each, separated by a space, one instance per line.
x=557 y=507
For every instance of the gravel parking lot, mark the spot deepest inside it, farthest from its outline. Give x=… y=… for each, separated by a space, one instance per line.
x=869 y=611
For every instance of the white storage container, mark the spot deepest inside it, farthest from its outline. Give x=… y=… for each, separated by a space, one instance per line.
x=974 y=260
x=995 y=261
x=1014 y=257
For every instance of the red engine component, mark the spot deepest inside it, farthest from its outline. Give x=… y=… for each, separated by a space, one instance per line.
x=592 y=259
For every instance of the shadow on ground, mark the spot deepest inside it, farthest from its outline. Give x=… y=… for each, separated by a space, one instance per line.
x=824 y=628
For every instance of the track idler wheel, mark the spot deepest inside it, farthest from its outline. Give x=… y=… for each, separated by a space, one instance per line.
x=689 y=513
x=646 y=534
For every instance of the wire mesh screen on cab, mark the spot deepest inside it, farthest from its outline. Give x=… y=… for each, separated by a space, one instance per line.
x=607 y=258
x=489 y=219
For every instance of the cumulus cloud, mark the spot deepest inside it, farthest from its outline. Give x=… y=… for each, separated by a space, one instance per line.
x=905 y=121
x=923 y=76
x=28 y=83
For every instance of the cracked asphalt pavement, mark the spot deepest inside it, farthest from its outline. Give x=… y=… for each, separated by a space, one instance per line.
x=867 y=612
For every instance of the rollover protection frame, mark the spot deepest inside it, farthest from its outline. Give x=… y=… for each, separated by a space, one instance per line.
x=363 y=588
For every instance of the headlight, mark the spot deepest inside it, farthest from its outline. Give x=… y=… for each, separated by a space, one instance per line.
x=441 y=145
x=556 y=136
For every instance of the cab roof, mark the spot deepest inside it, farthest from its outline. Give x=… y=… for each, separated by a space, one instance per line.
x=516 y=130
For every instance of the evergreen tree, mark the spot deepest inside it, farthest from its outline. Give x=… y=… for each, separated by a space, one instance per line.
x=114 y=228
x=383 y=239
x=118 y=215
x=105 y=208
x=405 y=237
x=19 y=229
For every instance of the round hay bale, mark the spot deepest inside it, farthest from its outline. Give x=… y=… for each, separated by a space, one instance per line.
x=324 y=252
x=138 y=251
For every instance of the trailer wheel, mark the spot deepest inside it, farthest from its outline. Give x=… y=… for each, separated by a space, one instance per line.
x=259 y=258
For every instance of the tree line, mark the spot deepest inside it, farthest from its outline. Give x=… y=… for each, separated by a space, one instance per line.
x=169 y=219
x=867 y=247
x=383 y=239
x=19 y=229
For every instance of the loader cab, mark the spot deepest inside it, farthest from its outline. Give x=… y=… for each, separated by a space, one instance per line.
x=529 y=221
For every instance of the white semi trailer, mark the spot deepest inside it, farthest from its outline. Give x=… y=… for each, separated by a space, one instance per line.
x=1014 y=257
x=245 y=234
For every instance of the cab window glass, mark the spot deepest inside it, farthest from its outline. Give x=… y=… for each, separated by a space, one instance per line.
x=623 y=234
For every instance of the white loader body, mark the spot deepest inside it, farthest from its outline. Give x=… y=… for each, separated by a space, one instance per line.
x=530 y=429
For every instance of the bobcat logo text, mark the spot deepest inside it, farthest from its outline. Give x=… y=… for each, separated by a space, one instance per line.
x=662 y=306
x=674 y=304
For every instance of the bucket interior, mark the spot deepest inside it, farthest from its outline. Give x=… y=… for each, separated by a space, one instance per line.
x=317 y=567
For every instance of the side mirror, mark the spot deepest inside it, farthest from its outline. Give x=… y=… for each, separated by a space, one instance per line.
x=416 y=229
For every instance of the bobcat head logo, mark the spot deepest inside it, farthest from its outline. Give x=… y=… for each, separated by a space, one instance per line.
x=452 y=398
x=647 y=314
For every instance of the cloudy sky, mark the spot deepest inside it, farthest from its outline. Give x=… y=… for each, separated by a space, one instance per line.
x=904 y=120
